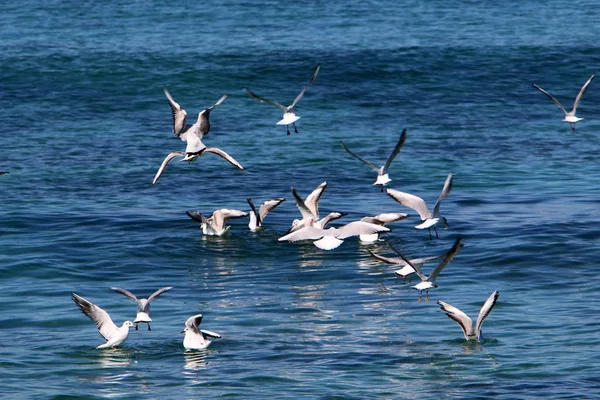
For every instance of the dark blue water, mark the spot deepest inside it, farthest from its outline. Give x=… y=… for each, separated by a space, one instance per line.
x=85 y=127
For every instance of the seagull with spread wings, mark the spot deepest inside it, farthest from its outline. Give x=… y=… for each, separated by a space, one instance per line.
x=196 y=338
x=405 y=269
x=257 y=216
x=143 y=305
x=215 y=224
x=465 y=322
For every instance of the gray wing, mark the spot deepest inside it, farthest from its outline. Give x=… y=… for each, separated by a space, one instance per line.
x=104 y=323
x=193 y=323
x=581 y=92
x=414 y=266
x=445 y=192
x=257 y=97
x=226 y=156
x=304 y=210
x=486 y=309
x=221 y=216
x=125 y=292
x=197 y=216
x=218 y=103
x=306 y=87
x=460 y=317
x=179 y=114
x=447 y=258
x=373 y=166
x=211 y=334
x=551 y=98
x=306 y=233
x=395 y=152
x=356 y=228
x=164 y=164
x=385 y=218
x=268 y=205
x=159 y=292
x=411 y=201
x=312 y=201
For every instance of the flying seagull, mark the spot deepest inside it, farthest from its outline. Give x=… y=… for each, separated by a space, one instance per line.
x=113 y=334
x=428 y=282
x=465 y=322
x=257 y=217
x=569 y=116
x=405 y=270
x=381 y=219
x=143 y=305
x=383 y=177
x=196 y=338
x=215 y=224
x=289 y=112
x=429 y=218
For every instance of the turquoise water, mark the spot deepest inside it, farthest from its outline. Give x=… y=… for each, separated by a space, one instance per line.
x=86 y=125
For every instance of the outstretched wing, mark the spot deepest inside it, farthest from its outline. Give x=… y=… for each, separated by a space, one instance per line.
x=411 y=201
x=306 y=233
x=373 y=166
x=414 y=266
x=312 y=201
x=197 y=216
x=218 y=103
x=486 y=309
x=463 y=319
x=385 y=218
x=226 y=156
x=304 y=210
x=164 y=164
x=445 y=192
x=447 y=258
x=159 y=292
x=257 y=97
x=104 y=323
x=193 y=322
x=221 y=216
x=395 y=152
x=211 y=334
x=581 y=92
x=268 y=205
x=306 y=87
x=125 y=292
x=356 y=228
x=551 y=98
x=179 y=114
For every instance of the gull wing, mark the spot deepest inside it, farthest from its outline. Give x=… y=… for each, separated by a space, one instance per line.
x=486 y=309
x=221 y=216
x=411 y=201
x=332 y=216
x=399 y=262
x=255 y=219
x=447 y=258
x=414 y=266
x=179 y=114
x=385 y=218
x=551 y=98
x=159 y=292
x=197 y=216
x=268 y=205
x=193 y=323
x=125 y=292
x=395 y=152
x=105 y=325
x=356 y=228
x=218 y=103
x=463 y=319
x=445 y=192
x=211 y=334
x=257 y=97
x=304 y=210
x=306 y=233
x=306 y=87
x=226 y=156
x=373 y=166
x=164 y=164
x=312 y=201
x=580 y=94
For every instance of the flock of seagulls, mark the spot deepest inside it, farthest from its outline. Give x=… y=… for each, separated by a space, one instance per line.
x=309 y=227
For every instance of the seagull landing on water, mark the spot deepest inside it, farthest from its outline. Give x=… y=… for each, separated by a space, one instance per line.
x=383 y=177
x=215 y=224
x=405 y=270
x=196 y=338
x=570 y=115
x=289 y=113
x=465 y=322
x=113 y=334
x=429 y=218
x=428 y=282
x=143 y=305
x=257 y=217
x=381 y=219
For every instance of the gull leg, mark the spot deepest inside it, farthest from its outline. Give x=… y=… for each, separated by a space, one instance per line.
x=149 y=327
x=295 y=129
x=572 y=126
x=420 y=294
x=427 y=296
x=288 y=129
x=136 y=327
x=436 y=232
x=429 y=230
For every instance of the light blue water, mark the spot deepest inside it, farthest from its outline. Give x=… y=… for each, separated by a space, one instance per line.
x=86 y=125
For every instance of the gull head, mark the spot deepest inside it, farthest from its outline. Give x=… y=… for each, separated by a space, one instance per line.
x=128 y=324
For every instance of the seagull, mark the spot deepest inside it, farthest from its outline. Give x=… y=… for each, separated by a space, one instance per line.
x=257 y=217
x=113 y=334
x=406 y=269
x=329 y=239
x=3 y=173
x=215 y=224
x=196 y=338
x=311 y=203
x=143 y=310
x=569 y=116
x=381 y=219
x=465 y=322
x=429 y=218
x=383 y=177
x=289 y=114
x=428 y=282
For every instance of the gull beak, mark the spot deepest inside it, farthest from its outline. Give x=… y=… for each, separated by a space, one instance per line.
x=183 y=331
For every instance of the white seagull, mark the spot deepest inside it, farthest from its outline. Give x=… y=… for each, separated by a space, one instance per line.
x=257 y=217
x=429 y=218
x=143 y=305
x=309 y=208
x=405 y=270
x=569 y=116
x=465 y=322
x=428 y=282
x=215 y=224
x=289 y=112
x=113 y=334
x=383 y=177
x=381 y=219
x=196 y=338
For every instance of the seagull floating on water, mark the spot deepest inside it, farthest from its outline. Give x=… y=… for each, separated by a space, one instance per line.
x=429 y=218
x=381 y=219
x=465 y=322
x=143 y=305
x=257 y=217
x=113 y=334
x=405 y=270
x=196 y=338
x=383 y=177
x=289 y=113
x=215 y=224
x=570 y=115
x=428 y=282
